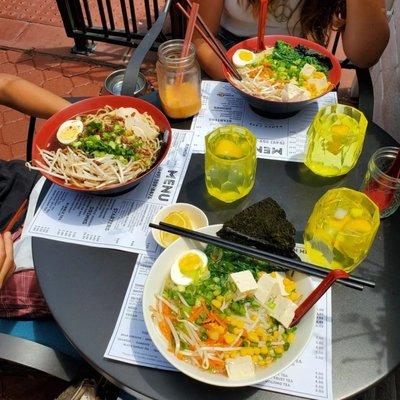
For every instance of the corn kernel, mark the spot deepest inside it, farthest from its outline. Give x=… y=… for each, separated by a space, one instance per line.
x=294 y=296
x=213 y=335
x=264 y=350
x=276 y=335
x=260 y=331
x=252 y=336
x=229 y=338
x=234 y=354
x=243 y=351
x=273 y=274
x=253 y=317
x=255 y=359
x=257 y=350
x=239 y=323
x=236 y=331
x=220 y=329
x=220 y=298
x=216 y=303
x=286 y=281
x=290 y=337
x=262 y=363
x=279 y=349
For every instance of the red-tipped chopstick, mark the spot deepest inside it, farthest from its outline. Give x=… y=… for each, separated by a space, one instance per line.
x=317 y=293
x=14 y=219
x=210 y=39
x=262 y=18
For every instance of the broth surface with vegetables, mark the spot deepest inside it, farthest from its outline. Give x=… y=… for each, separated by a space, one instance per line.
x=226 y=313
x=108 y=147
x=283 y=73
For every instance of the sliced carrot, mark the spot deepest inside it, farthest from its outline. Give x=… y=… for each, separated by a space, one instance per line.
x=217 y=364
x=165 y=330
x=195 y=313
x=212 y=316
x=165 y=310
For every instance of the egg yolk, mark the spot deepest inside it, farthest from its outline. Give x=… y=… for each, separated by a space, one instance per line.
x=228 y=149
x=69 y=132
x=245 y=56
x=190 y=263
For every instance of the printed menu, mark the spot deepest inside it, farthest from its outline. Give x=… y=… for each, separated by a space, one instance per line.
x=309 y=376
x=278 y=139
x=119 y=222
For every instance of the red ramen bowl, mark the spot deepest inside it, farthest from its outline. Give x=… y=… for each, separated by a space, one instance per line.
x=46 y=137
x=277 y=108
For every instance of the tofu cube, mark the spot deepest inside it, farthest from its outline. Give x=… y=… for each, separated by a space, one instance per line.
x=267 y=288
x=244 y=281
x=292 y=92
x=240 y=367
x=282 y=309
x=307 y=71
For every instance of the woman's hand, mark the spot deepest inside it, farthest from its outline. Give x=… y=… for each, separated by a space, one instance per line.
x=7 y=265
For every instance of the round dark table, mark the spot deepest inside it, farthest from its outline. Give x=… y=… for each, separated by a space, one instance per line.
x=84 y=287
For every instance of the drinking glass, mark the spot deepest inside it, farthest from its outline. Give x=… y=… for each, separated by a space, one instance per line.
x=341 y=229
x=335 y=139
x=381 y=188
x=230 y=162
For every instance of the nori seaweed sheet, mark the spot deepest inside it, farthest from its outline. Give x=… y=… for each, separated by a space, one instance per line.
x=262 y=225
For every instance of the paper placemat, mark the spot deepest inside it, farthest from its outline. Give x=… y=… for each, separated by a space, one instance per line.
x=277 y=139
x=120 y=222
x=309 y=376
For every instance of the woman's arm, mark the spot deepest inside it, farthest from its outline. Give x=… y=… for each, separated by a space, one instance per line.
x=7 y=265
x=210 y=11
x=28 y=98
x=366 y=33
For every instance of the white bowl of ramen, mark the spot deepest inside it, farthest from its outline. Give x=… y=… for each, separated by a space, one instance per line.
x=154 y=286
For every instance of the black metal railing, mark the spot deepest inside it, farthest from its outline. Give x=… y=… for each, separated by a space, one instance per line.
x=112 y=21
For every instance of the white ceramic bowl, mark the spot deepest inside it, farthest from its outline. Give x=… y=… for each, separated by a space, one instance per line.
x=197 y=216
x=159 y=272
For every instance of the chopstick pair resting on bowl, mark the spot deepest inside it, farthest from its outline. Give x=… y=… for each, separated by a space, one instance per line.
x=329 y=277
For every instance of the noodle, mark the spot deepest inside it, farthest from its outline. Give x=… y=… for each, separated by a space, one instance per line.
x=80 y=166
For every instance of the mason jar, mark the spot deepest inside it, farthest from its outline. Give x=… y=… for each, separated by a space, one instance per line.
x=381 y=188
x=179 y=80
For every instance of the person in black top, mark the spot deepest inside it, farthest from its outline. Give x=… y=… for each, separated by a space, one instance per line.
x=16 y=181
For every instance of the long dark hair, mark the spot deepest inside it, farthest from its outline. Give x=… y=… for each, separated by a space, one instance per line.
x=317 y=17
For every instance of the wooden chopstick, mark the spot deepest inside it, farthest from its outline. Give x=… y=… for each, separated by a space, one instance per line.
x=14 y=219
x=212 y=42
x=285 y=262
x=211 y=35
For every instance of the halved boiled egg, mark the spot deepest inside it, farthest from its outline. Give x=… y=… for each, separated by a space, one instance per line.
x=189 y=267
x=243 y=57
x=69 y=131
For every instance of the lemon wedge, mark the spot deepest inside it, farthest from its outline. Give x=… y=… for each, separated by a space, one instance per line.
x=176 y=218
x=69 y=131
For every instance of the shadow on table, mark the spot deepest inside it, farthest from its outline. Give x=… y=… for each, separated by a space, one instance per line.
x=377 y=350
